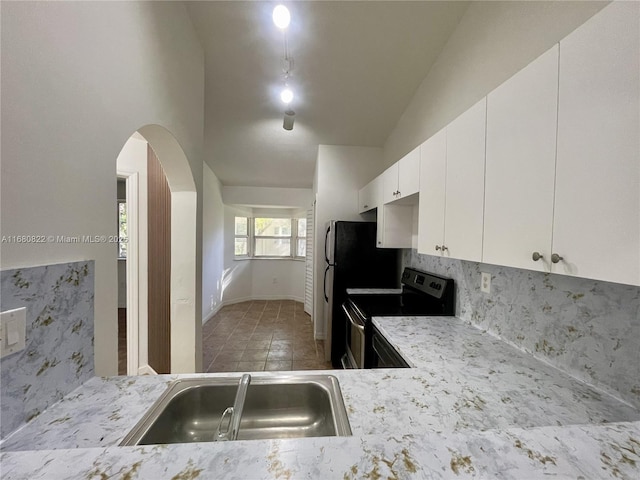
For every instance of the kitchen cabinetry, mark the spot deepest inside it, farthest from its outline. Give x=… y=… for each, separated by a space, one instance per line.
x=452 y=188
x=520 y=166
x=402 y=179
x=596 y=224
x=370 y=196
x=433 y=157
x=395 y=226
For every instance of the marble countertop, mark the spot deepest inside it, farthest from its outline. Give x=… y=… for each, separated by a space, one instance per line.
x=472 y=405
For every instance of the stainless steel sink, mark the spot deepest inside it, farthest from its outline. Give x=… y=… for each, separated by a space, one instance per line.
x=283 y=406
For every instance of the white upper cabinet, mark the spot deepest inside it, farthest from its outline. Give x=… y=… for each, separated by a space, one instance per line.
x=520 y=166
x=370 y=196
x=409 y=173
x=464 y=205
x=596 y=228
x=452 y=188
x=390 y=183
x=402 y=179
x=433 y=157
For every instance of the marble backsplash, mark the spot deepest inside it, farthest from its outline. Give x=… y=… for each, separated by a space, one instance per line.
x=58 y=354
x=587 y=328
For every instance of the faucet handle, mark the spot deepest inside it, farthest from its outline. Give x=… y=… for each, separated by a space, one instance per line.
x=223 y=436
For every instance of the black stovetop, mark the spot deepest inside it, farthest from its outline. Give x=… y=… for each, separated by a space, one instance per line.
x=393 y=305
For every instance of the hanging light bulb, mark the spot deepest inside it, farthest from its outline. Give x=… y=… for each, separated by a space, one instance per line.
x=286 y=95
x=281 y=17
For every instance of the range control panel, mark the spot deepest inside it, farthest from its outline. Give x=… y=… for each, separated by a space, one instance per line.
x=425 y=282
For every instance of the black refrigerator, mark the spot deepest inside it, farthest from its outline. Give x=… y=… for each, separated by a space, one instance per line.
x=352 y=261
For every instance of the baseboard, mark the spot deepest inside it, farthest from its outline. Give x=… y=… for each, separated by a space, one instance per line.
x=146 y=370
x=213 y=313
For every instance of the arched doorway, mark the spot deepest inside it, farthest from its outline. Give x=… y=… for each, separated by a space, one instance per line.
x=184 y=327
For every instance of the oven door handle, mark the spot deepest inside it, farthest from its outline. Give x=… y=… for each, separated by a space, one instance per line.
x=353 y=322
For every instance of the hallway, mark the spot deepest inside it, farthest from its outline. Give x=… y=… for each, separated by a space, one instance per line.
x=261 y=335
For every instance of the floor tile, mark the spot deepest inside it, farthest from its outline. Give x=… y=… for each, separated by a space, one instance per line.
x=254 y=355
x=258 y=344
x=250 y=366
x=222 y=367
x=278 y=366
x=275 y=355
x=229 y=355
x=272 y=335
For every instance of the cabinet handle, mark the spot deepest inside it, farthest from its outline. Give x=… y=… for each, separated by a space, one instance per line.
x=444 y=248
x=555 y=258
x=365 y=206
x=399 y=194
x=536 y=256
x=437 y=247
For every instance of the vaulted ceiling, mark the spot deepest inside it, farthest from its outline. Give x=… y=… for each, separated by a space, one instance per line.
x=357 y=65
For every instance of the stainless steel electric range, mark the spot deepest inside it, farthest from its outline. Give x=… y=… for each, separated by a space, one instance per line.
x=423 y=294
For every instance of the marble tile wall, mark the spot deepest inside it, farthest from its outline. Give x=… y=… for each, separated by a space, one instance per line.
x=587 y=328
x=58 y=354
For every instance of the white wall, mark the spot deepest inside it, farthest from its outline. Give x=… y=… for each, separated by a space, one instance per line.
x=212 y=243
x=491 y=43
x=78 y=78
x=340 y=173
x=268 y=196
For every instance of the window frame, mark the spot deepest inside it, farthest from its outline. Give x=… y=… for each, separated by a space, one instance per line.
x=247 y=237
x=252 y=237
x=122 y=240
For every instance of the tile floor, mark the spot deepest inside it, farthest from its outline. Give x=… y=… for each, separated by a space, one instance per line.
x=261 y=335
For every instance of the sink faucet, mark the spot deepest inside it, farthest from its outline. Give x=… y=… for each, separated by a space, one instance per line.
x=233 y=413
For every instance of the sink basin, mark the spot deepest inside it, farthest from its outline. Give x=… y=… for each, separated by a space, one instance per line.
x=283 y=406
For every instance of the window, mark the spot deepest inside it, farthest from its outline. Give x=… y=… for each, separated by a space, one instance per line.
x=241 y=237
x=122 y=229
x=270 y=237
x=301 y=237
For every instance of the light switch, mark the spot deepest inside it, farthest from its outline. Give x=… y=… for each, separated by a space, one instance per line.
x=12 y=332
x=13 y=325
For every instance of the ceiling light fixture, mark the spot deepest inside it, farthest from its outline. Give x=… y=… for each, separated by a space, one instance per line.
x=281 y=17
x=286 y=95
x=289 y=115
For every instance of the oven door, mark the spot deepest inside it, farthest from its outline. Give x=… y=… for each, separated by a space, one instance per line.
x=354 y=358
x=384 y=355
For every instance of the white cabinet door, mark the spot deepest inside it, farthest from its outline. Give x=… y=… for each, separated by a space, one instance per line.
x=390 y=183
x=369 y=195
x=433 y=157
x=396 y=221
x=520 y=166
x=464 y=206
x=409 y=173
x=597 y=207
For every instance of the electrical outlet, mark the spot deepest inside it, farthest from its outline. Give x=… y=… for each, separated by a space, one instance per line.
x=485 y=282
